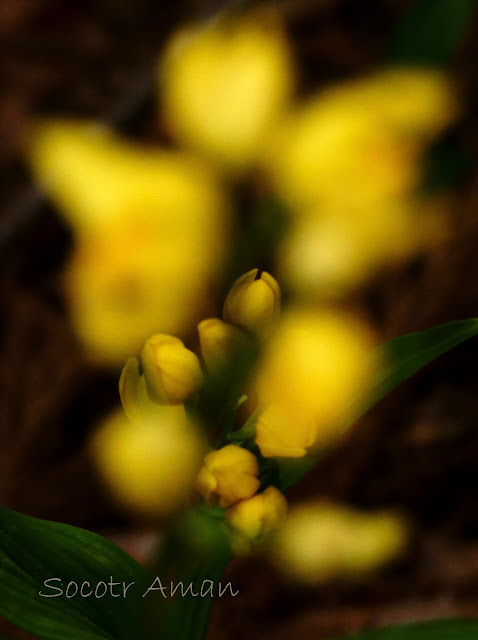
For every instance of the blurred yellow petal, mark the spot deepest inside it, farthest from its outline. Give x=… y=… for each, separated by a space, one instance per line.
x=411 y=101
x=80 y=165
x=284 y=434
x=378 y=538
x=328 y=153
x=99 y=180
x=360 y=138
x=225 y=85
x=151 y=230
x=151 y=467
x=325 y=256
x=314 y=367
x=321 y=541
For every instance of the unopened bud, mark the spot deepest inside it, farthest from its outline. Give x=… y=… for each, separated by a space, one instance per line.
x=253 y=302
x=219 y=342
x=254 y=519
x=229 y=475
x=172 y=372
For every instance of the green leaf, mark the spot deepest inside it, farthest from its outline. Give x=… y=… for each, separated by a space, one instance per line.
x=430 y=32
x=403 y=357
x=33 y=551
x=408 y=354
x=440 y=630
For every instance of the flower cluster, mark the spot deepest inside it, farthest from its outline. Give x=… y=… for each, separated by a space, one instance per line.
x=229 y=477
x=300 y=354
x=154 y=389
x=152 y=233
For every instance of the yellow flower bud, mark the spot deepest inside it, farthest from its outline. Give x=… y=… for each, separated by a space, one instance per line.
x=280 y=433
x=255 y=518
x=150 y=467
x=228 y=475
x=318 y=542
x=219 y=342
x=172 y=372
x=253 y=302
x=314 y=367
x=225 y=85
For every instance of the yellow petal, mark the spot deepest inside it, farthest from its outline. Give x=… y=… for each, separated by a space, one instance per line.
x=149 y=468
x=225 y=85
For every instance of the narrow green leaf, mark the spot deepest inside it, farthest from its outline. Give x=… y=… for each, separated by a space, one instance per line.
x=407 y=354
x=403 y=357
x=33 y=551
x=430 y=32
x=439 y=630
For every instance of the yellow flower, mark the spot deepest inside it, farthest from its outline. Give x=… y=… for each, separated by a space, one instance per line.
x=359 y=140
x=332 y=155
x=219 y=342
x=348 y=164
x=255 y=518
x=172 y=373
x=149 y=466
x=150 y=228
x=253 y=302
x=225 y=85
x=318 y=542
x=314 y=367
x=228 y=475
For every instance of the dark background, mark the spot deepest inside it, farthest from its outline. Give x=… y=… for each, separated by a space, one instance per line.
x=417 y=450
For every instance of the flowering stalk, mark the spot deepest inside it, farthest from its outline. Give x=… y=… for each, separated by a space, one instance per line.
x=195 y=552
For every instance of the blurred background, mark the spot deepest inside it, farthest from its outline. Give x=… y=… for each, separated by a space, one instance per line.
x=417 y=450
